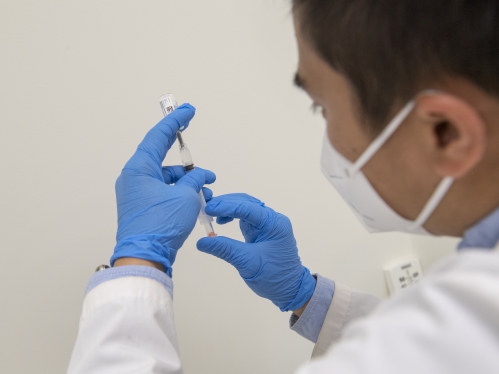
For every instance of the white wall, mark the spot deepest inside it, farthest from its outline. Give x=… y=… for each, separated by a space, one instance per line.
x=79 y=83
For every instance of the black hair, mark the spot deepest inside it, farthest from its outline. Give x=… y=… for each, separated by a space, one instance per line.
x=390 y=49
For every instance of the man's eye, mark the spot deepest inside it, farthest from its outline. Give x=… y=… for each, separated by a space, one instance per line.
x=315 y=108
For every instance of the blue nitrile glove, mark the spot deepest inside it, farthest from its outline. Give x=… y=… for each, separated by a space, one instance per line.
x=268 y=261
x=154 y=216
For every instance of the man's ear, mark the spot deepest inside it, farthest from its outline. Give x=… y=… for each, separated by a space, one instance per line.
x=457 y=133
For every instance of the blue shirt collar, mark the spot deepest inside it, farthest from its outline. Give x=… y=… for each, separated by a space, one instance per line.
x=485 y=234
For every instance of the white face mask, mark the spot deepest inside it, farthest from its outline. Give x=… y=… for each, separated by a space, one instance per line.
x=351 y=183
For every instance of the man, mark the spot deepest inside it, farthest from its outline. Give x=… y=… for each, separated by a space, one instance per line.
x=409 y=91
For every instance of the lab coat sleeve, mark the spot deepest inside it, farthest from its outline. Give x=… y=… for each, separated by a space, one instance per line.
x=127 y=325
x=309 y=324
x=446 y=324
x=330 y=309
x=347 y=305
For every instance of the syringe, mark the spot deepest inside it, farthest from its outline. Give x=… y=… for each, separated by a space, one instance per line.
x=168 y=105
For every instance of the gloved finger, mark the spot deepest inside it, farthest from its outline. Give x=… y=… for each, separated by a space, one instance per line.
x=224 y=220
x=224 y=248
x=208 y=194
x=238 y=197
x=161 y=137
x=234 y=197
x=246 y=208
x=171 y=174
x=197 y=178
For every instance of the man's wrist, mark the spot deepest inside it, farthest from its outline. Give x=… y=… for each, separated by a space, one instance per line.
x=300 y=311
x=305 y=293
x=127 y=261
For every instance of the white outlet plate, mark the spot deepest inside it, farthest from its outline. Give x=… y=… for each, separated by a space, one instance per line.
x=402 y=275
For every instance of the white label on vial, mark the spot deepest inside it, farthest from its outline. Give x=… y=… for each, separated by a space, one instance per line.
x=167 y=106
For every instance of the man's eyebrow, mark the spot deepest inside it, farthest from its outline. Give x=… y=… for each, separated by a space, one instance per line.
x=298 y=81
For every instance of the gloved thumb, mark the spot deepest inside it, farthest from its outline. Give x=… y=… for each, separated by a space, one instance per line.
x=224 y=248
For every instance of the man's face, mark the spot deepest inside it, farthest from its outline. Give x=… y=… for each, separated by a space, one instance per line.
x=398 y=171
x=332 y=95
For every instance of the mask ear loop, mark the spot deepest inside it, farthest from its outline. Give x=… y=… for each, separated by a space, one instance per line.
x=387 y=132
x=434 y=201
x=374 y=147
x=382 y=138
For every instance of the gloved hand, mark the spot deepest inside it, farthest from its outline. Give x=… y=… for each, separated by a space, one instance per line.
x=154 y=216
x=268 y=262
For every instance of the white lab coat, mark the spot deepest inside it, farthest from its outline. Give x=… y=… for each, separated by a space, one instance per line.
x=447 y=324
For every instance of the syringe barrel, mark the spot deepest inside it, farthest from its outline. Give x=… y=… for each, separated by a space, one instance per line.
x=205 y=219
x=168 y=104
x=185 y=156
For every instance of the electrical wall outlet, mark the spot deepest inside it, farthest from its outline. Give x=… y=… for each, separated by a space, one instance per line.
x=402 y=275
